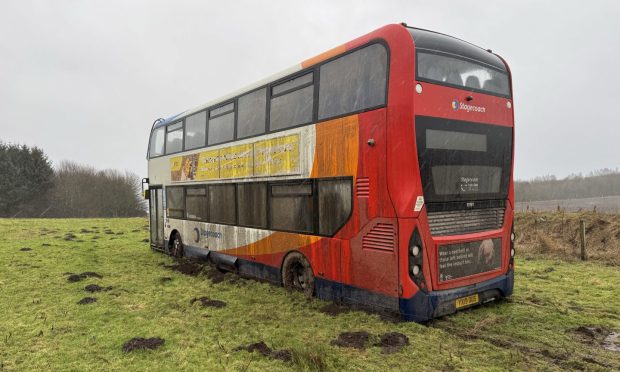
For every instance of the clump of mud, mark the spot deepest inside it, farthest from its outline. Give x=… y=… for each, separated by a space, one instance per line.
x=185 y=267
x=392 y=342
x=140 y=343
x=79 y=277
x=357 y=340
x=25 y=249
x=70 y=237
x=596 y=335
x=334 y=309
x=263 y=349
x=207 y=302
x=46 y=245
x=217 y=276
x=87 y=300
x=96 y=288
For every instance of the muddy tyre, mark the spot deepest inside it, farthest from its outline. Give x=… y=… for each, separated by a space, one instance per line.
x=176 y=246
x=297 y=274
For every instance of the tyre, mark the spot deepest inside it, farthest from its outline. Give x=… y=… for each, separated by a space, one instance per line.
x=176 y=247
x=297 y=274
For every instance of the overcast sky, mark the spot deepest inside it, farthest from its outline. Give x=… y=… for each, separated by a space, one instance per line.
x=84 y=80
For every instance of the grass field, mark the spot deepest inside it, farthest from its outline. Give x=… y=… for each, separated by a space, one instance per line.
x=559 y=317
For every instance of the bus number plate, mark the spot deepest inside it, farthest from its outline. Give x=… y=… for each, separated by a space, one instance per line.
x=466 y=301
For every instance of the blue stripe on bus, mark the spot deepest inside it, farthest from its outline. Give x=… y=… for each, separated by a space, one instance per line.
x=419 y=308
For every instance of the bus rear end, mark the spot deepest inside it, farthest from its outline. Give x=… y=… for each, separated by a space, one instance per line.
x=457 y=246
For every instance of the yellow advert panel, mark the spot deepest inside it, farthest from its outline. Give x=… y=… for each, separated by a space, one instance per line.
x=276 y=156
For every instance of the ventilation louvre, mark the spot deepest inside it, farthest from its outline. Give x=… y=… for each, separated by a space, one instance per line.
x=465 y=221
x=382 y=237
x=362 y=187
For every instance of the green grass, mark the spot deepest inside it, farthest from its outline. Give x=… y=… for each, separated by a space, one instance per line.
x=43 y=328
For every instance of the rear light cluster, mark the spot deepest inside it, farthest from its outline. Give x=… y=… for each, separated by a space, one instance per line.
x=416 y=259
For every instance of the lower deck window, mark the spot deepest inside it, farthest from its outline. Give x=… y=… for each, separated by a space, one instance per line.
x=252 y=204
x=175 y=202
x=196 y=203
x=292 y=207
x=222 y=204
x=334 y=204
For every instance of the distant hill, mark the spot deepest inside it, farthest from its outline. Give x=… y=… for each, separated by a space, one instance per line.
x=605 y=182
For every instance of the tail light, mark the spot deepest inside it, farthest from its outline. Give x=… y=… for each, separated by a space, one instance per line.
x=416 y=259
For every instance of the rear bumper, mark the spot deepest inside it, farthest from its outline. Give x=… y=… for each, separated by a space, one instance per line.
x=424 y=306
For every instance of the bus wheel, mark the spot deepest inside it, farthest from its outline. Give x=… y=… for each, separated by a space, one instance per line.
x=176 y=249
x=297 y=274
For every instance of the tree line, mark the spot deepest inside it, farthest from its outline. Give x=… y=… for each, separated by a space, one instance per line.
x=604 y=182
x=31 y=187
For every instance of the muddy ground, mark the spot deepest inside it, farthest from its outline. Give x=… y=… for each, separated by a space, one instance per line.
x=140 y=343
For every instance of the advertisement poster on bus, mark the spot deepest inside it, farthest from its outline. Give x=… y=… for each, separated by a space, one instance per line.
x=271 y=157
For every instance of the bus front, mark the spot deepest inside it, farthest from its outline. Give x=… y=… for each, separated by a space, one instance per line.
x=460 y=242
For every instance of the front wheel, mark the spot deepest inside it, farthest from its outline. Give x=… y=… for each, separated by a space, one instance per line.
x=176 y=249
x=297 y=274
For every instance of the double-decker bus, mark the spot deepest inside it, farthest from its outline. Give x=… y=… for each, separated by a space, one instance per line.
x=378 y=174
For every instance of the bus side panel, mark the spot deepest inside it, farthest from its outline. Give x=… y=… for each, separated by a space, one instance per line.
x=370 y=256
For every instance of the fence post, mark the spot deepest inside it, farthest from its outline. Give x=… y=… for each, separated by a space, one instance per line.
x=582 y=233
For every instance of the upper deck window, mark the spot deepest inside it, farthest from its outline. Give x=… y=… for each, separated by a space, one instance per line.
x=449 y=61
x=174 y=138
x=195 y=127
x=252 y=113
x=353 y=82
x=157 y=142
x=292 y=103
x=221 y=124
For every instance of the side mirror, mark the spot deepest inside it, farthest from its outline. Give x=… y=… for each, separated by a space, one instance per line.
x=145 y=192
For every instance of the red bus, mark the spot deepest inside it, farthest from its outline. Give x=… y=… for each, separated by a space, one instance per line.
x=377 y=174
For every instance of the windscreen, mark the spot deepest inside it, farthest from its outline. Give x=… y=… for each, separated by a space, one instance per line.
x=449 y=61
x=462 y=160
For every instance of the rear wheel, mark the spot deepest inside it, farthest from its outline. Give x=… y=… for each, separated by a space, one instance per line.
x=297 y=274
x=176 y=247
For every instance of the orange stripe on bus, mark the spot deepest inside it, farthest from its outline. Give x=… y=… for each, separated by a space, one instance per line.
x=337 y=148
x=324 y=56
x=275 y=243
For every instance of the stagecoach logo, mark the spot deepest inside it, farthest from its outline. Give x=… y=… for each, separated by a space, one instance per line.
x=456 y=105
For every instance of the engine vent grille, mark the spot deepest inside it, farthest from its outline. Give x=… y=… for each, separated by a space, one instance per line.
x=465 y=221
x=382 y=237
x=362 y=187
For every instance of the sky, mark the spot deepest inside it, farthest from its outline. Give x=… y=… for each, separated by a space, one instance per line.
x=85 y=79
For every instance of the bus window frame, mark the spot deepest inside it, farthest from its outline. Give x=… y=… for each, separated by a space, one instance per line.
x=182 y=122
x=209 y=117
x=204 y=187
x=206 y=129
x=270 y=96
x=267 y=107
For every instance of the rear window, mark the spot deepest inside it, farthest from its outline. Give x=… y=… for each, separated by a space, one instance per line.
x=449 y=61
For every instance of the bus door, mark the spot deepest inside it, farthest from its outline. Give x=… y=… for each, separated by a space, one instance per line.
x=156 y=212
